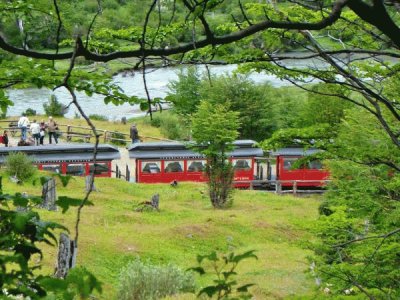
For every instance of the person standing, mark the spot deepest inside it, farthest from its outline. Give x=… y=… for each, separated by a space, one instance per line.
x=23 y=123
x=52 y=128
x=35 y=130
x=134 y=134
x=5 y=138
x=42 y=131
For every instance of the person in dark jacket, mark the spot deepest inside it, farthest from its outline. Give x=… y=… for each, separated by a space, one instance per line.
x=134 y=134
x=5 y=138
x=42 y=131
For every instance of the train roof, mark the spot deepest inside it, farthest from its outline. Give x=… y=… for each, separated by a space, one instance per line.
x=63 y=152
x=295 y=152
x=179 y=150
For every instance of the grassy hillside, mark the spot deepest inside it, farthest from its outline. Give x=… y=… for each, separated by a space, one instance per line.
x=112 y=233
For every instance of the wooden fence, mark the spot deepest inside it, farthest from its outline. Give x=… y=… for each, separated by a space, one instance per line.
x=72 y=133
x=276 y=186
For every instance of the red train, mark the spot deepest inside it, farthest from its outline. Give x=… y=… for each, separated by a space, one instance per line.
x=169 y=161
x=71 y=159
x=164 y=162
x=310 y=174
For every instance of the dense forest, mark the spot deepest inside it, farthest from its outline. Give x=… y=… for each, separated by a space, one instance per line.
x=346 y=105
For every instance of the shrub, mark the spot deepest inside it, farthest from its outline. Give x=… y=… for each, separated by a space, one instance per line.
x=98 y=117
x=55 y=108
x=20 y=165
x=118 y=136
x=173 y=128
x=30 y=112
x=143 y=281
x=156 y=122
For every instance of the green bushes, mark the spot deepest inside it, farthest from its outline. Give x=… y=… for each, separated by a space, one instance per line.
x=54 y=108
x=118 y=139
x=171 y=126
x=143 y=281
x=20 y=165
x=30 y=112
x=98 y=117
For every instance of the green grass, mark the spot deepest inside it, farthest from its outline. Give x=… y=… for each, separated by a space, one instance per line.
x=112 y=233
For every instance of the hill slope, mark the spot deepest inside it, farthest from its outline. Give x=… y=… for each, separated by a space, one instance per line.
x=112 y=233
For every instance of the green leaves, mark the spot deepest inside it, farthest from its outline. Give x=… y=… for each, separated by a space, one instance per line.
x=222 y=267
x=79 y=282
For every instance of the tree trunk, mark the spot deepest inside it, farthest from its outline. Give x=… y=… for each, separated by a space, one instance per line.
x=49 y=195
x=66 y=256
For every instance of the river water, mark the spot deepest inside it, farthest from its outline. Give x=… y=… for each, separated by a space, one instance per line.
x=132 y=84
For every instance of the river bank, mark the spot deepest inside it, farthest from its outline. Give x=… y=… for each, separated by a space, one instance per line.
x=130 y=82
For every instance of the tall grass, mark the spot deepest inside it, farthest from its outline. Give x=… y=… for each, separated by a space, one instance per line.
x=145 y=281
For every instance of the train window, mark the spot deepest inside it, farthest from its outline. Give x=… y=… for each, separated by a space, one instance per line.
x=288 y=162
x=196 y=166
x=151 y=167
x=315 y=165
x=173 y=166
x=52 y=168
x=76 y=169
x=100 y=169
x=242 y=164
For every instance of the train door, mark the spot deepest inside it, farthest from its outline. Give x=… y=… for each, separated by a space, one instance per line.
x=262 y=169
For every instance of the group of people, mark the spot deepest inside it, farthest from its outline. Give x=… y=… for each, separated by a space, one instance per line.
x=38 y=132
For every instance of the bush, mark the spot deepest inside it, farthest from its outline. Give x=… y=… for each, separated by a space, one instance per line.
x=156 y=122
x=55 y=108
x=20 y=165
x=143 y=281
x=117 y=135
x=30 y=112
x=172 y=127
x=98 y=117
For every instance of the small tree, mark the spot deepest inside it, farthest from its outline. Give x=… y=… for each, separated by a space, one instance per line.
x=20 y=165
x=215 y=128
x=54 y=108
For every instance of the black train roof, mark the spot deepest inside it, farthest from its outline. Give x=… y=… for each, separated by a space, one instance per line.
x=180 y=150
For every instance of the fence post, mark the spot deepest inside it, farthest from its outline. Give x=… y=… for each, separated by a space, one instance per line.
x=89 y=183
x=278 y=187
x=116 y=171
x=294 y=187
x=128 y=175
x=68 y=133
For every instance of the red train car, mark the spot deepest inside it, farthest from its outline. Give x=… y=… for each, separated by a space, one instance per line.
x=164 y=162
x=70 y=159
x=310 y=174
